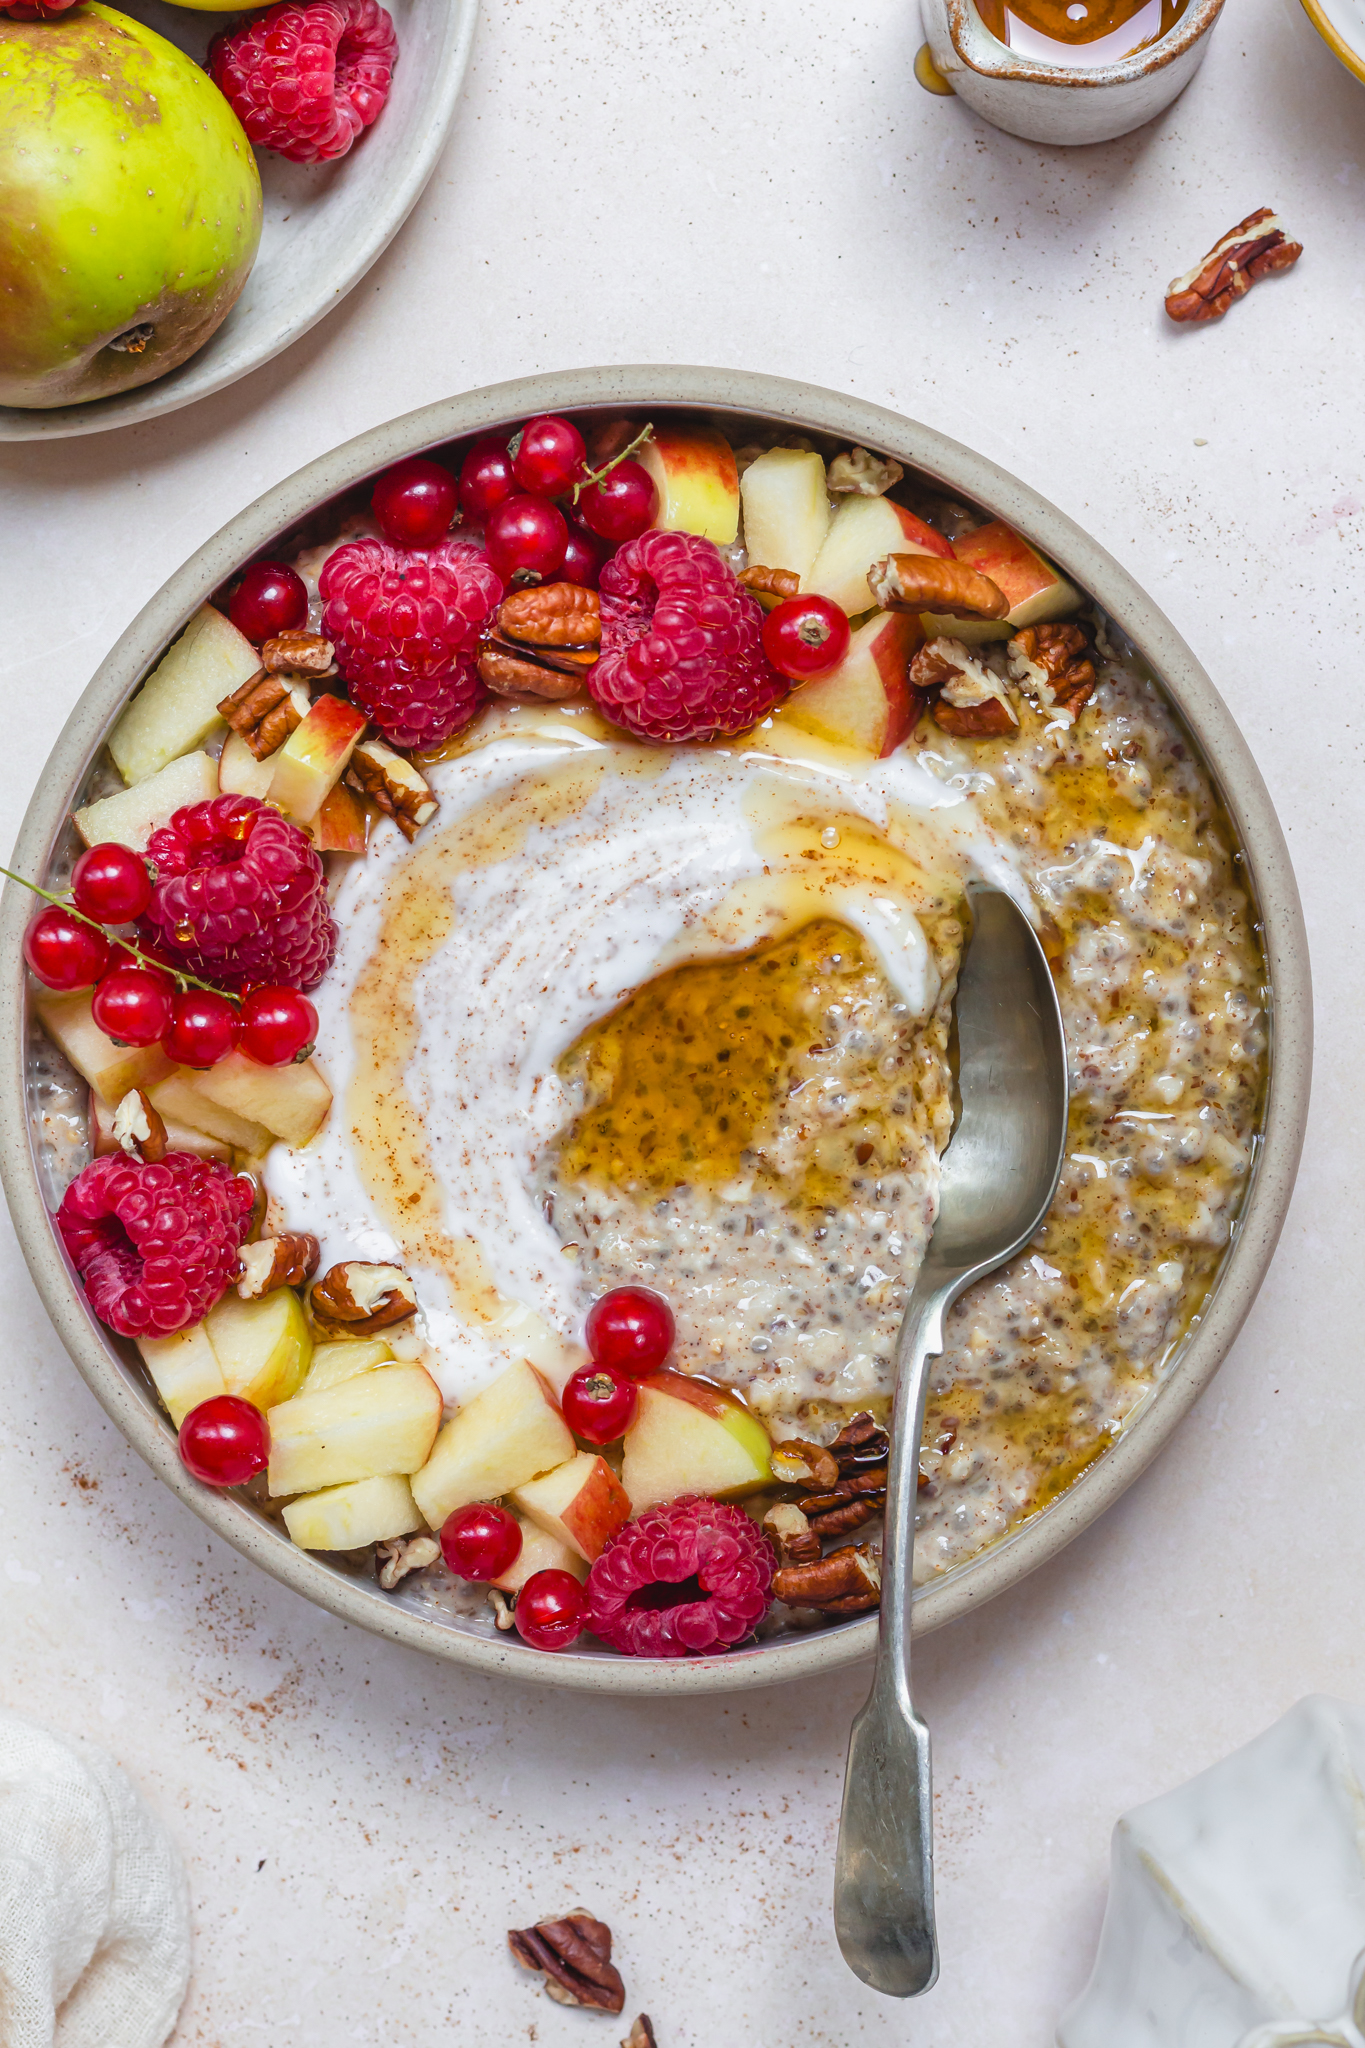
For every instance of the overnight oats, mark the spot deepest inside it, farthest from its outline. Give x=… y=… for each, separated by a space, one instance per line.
x=513 y=970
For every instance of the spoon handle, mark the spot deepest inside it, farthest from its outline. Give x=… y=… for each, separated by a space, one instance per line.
x=884 y=1868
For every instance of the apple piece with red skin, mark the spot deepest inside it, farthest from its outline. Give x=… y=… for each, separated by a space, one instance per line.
x=539 y=1553
x=511 y=1432
x=862 y=531
x=691 y=1436
x=697 y=479
x=582 y=1503
x=342 y=823
x=1038 y=594
x=866 y=701
x=314 y=758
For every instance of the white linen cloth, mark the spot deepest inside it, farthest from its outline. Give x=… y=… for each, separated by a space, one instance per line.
x=94 y=1909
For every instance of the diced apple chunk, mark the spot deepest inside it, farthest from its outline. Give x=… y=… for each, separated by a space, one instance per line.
x=346 y=1517
x=689 y=1436
x=582 y=1503
x=184 y=1369
x=176 y=1098
x=375 y=1424
x=130 y=816
x=179 y=1137
x=314 y=758
x=860 y=533
x=865 y=701
x=511 y=1432
x=110 y=1069
x=538 y=1553
x=263 y=1347
x=342 y=822
x=333 y=1363
x=697 y=480
x=786 y=509
x=177 y=707
x=291 y=1101
x=1038 y=594
x=240 y=773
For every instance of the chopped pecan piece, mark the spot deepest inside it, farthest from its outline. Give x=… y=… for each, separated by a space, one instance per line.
x=575 y=1954
x=800 y=1464
x=990 y=720
x=861 y=1442
x=790 y=1534
x=284 y=1261
x=848 y=1505
x=641 y=2034
x=929 y=583
x=847 y=1575
x=503 y=1615
x=358 y=1297
x=298 y=653
x=509 y=672
x=770 y=582
x=546 y=637
x=1255 y=248
x=138 y=1128
x=391 y=782
x=265 y=710
x=971 y=704
x=871 y=476
x=1055 y=662
x=400 y=1555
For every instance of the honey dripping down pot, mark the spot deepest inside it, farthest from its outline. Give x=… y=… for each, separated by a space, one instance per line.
x=1079 y=32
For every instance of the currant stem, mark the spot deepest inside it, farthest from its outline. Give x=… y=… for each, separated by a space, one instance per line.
x=177 y=974
x=608 y=467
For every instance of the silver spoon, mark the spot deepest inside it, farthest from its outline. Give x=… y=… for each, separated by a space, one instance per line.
x=999 y=1175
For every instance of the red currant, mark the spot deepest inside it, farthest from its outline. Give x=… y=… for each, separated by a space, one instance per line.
x=225 y=1441
x=630 y=1330
x=622 y=505
x=480 y=1542
x=486 y=479
x=270 y=599
x=203 y=1029
x=278 y=1025
x=550 y=1610
x=804 y=636
x=549 y=458
x=64 y=952
x=111 y=884
x=133 y=1005
x=583 y=558
x=527 y=534
x=599 y=1404
x=414 y=503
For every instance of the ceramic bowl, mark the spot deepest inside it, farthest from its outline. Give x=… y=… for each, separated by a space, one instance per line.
x=325 y=224
x=1054 y=103
x=1341 y=24
x=421 y=1613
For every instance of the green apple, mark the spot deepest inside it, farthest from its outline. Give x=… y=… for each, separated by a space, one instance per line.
x=130 y=207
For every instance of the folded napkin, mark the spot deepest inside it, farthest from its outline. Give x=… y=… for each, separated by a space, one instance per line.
x=94 y=1912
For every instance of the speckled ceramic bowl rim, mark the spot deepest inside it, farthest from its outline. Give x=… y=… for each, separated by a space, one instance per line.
x=983 y=52
x=1350 y=54
x=129 y=1402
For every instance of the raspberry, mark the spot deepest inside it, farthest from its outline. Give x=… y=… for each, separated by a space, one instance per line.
x=405 y=623
x=304 y=81
x=240 y=897
x=686 y=1578
x=682 y=651
x=155 y=1245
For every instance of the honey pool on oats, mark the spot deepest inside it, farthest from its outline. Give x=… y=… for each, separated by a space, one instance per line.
x=612 y=1005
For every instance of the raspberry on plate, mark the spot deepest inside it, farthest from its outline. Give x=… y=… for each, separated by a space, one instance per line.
x=682 y=648
x=155 y=1245
x=304 y=81
x=686 y=1578
x=405 y=623
x=240 y=897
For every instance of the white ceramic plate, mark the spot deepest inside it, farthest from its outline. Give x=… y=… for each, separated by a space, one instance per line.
x=1341 y=24
x=325 y=224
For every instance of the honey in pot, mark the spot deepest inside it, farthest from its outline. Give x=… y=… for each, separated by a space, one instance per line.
x=1079 y=32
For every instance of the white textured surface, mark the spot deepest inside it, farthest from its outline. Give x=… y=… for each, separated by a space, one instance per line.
x=765 y=186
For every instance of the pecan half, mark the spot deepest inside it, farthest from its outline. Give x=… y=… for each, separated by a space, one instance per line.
x=544 y=640
x=770 y=582
x=848 y=1505
x=1255 y=248
x=298 y=653
x=871 y=476
x=358 y=1296
x=800 y=1464
x=847 y=1575
x=928 y=583
x=265 y=710
x=972 y=703
x=1055 y=661
x=284 y=1261
x=641 y=2034
x=575 y=1955
x=790 y=1534
x=138 y=1128
x=861 y=1443
x=391 y=783
x=509 y=672
x=394 y=1559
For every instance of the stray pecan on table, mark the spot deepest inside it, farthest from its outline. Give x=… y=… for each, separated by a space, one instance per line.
x=359 y=1298
x=641 y=2034
x=971 y=703
x=393 y=785
x=284 y=1261
x=1255 y=248
x=265 y=710
x=544 y=640
x=575 y=1955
